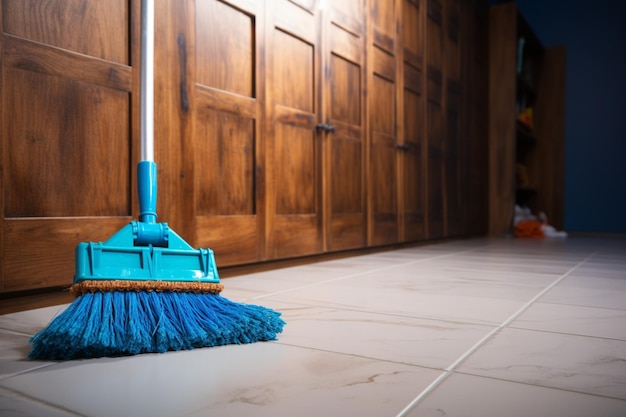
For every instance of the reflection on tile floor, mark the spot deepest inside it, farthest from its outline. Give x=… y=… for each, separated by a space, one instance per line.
x=466 y=328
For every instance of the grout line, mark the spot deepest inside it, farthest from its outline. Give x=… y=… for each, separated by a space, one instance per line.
x=28 y=399
x=344 y=277
x=450 y=369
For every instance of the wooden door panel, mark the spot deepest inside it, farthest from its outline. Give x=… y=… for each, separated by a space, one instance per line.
x=39 y=251
x=67 y=158
x=227 y=151
x=295 y=170
x=347 y=193
x=383 y=174
x=383 y=23
x=56 y=160
x=345 y=91
x=293 y=147
x=348 y=14
x=412 y=198
x=412 y=32
x=413 y=172
x=224 y=152
x=435 y=120
x=225 y=48
x=383 y=113
x=344 y=189
x=293 y=72
x=100 y=30
x=295 y=17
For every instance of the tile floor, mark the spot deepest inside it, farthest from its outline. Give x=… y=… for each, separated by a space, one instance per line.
x=467 y=328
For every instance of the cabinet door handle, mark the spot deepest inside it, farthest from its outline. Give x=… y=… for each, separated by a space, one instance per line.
x=403 y=147
x=325 y=127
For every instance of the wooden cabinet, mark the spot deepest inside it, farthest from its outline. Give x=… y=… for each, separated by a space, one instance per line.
x=526 y=124
x=283 y=128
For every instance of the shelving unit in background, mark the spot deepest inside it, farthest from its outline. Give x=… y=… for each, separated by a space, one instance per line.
x=526 y=121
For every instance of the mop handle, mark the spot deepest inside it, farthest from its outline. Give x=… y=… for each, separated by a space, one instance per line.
x=147 y=80
x=146 y=169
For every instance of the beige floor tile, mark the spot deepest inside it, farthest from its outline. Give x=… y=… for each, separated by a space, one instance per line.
x=469 y=396
x=262 y=379
x=577 y=363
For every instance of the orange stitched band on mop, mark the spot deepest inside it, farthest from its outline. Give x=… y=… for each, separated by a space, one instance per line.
x=148 y=285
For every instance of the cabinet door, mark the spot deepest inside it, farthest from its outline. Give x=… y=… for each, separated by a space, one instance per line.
x=383 y=114
x=435 y=119
x=412 y=163
x=343 y=109
x=227 y=147
x=67 y=157
x=293 y=145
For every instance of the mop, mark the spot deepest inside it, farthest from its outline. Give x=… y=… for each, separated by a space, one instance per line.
x=146 y=290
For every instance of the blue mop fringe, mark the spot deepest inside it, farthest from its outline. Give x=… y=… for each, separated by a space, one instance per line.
x=121 y=323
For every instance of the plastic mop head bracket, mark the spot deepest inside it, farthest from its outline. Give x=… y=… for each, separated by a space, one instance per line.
x=145 y=249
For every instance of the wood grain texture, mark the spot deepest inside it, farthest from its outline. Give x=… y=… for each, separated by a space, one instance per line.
x=412 y=186
x=240 y=87
x=383 y=162
x=234 y=238
x=293 y=147
x=104 y=27
x=550 y=128
x=343 y=107
x=67 y=153
x=39 y=253
x=225 y=48
x=227 y=130
x=383 y=21
x=56 y=159
x=502 y=58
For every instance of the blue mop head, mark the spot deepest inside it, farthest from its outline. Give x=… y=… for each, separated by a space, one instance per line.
x=103 y=323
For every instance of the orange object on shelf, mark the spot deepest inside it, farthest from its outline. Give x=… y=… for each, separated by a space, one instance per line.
x=529 y=228
x=526 y=117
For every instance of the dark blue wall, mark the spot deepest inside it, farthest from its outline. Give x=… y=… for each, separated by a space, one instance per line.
x=594 y=33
